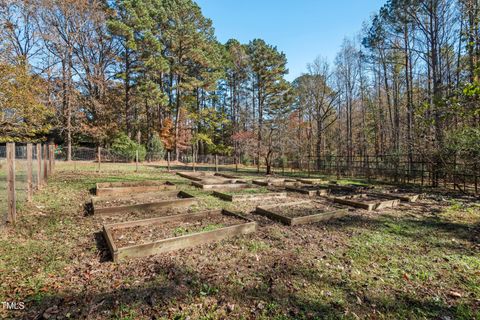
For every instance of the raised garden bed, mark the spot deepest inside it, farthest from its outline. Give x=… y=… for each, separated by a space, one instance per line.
x=147 y=201
x=220 y=184
x=196 y=176
x=310 y=190
x=302 y=212
x=276 y=182
x=256 y=194
x=312 y=181
x=367 y=201
x=349 y=187
x=402 y=196
x=132 y=187
x=153 y=236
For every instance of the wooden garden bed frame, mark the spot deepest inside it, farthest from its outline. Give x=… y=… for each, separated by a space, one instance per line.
x=180 y=199
x=394 y=195
x=312 y=181
x=196 y=176
x=269 y=212
x=131 y=187
x=320 y=191
x=175 y=243
x=376 y=204
x=250 y=197
x=207 y=186
x=275 y=182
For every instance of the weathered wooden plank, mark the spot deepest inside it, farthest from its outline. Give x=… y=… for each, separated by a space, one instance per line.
x=319 y=217
x=220 y=186
x=110 y=243
x=250 y=197
x=310 y=193
x=176 y=243
x=349 y=202
x=11 y=193
x=401 y=197
x=272 y=215
x=374 y=204
x=184 y=200
x=311 y=181
x=29 y=172
x=132 y=187
x=196 y=176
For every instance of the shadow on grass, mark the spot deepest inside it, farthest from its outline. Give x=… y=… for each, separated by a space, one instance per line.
x=272 y=295
x=417 y=229
x=88 y=209
x=102 y=247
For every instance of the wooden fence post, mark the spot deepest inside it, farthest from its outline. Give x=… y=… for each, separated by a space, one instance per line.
x=216 y=163
x=136 y=161
x=168 y=160
x=50 y=159
x=39 y=165
x=99 y=157
x=29 y=172
x=11 y=196
x=45 y=165
x=53 y=157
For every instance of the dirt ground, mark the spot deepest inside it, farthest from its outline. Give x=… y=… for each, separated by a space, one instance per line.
x=415 y=261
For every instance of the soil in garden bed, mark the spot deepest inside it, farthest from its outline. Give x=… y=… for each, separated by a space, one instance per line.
x=305 y=209
x=310 y=187
x=136 y=199
x=144 y=214
x=144 y=234
x=341 y=193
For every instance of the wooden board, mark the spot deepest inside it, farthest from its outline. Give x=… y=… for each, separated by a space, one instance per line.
x=401 y=196
x=374 y=204
x=269 y=212
x=196 y=176
x=311 y=181
x=205 y=186
x=275 y=182
x=250 y=197
x=176 y=243
x=132 y=187
x=180 y=199
x=311 y=193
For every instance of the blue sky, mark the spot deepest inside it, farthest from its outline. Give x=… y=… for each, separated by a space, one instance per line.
x=303 y=29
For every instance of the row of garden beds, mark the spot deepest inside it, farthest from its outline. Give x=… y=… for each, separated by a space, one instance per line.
x=161 y=234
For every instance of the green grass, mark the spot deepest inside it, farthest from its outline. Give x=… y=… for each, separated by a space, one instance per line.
x=394 y=264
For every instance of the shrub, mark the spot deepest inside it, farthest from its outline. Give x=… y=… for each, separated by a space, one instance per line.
x=155 y=148
x=246 y=160
x=125 y=147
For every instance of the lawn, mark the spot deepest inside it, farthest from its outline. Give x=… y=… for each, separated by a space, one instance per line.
x=416 y=261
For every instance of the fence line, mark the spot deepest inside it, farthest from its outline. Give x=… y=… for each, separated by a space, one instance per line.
x=23 y=170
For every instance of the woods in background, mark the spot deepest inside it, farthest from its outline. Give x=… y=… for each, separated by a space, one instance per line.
x=92 y=71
